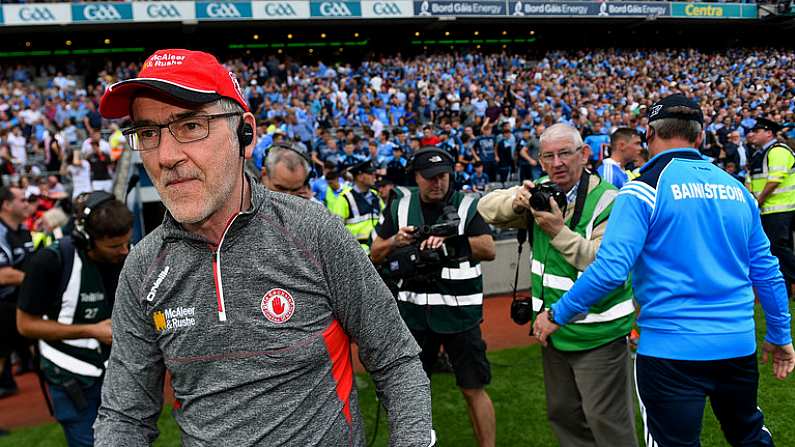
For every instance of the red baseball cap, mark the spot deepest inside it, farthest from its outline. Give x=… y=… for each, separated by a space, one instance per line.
x=191 y=76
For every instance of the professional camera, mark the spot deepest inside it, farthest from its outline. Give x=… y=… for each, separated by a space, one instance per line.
x=410 y=261
x=541 y=193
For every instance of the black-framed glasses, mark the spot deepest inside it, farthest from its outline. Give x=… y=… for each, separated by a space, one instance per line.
x=185 y=130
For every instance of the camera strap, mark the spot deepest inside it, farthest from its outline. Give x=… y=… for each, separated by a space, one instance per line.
x=579 y=203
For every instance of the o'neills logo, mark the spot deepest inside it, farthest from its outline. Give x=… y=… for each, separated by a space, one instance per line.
x=173 y=319
x=277 y=305
x=164 y=60
x=160 y=277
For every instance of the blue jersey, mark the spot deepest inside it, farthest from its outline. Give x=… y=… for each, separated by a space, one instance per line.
x=598 y=144
x=692 y=238
x=612 y=172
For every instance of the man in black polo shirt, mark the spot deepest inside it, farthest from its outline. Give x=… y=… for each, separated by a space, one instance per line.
x=15 y=246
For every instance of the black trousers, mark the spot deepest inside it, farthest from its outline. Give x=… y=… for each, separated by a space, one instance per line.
x=778 y=228
x=673 y=394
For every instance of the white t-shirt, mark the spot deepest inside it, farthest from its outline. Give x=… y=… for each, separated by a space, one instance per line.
x=17 y=144
x=104 y=146
x=81 y=177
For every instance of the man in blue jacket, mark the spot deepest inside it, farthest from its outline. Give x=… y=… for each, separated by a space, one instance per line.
x=692 y=238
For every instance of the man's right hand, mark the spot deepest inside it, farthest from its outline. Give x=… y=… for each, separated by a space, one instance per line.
x=783 y=358
x=102 y=331
x=404 y=236
x=521 y=201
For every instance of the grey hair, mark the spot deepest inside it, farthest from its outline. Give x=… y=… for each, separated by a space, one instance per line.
x=230 y=106
x=667 y=128
x=561 y=130
x=290 y=157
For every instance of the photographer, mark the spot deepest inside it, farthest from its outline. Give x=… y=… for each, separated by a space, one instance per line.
x=443 y=307
x=66 y=301
x=586 y=367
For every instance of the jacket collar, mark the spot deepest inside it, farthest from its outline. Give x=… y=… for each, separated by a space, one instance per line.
x=666 y=156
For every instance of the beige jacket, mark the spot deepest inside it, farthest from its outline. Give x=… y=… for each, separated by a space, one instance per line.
x=497 y=209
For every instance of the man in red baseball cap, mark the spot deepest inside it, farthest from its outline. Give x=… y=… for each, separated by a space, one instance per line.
x=249 y=297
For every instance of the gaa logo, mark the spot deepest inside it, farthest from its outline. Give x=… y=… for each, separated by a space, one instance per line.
x=222 y=11
x=335 y=9
x=386 y=9
x=101 y=12
x=280 y=10
x=162 y=11
x=36 y=14
x=277 y=305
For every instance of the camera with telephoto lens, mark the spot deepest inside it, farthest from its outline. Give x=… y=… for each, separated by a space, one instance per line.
x=542 y=192
x=410 y=261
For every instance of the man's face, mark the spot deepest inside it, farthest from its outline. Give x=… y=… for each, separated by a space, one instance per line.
x=282 y=179
x=111 y=250
x=433 y=189
x=366 y=179
x=194 y=179
x=759 y=137
x=19 y=208
x=632 y=148
x=562 y=161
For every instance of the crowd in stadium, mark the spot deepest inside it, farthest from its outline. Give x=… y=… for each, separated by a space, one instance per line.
x=485 y=109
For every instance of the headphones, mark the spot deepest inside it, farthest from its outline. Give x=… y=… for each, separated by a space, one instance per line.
x=94 y=200
x=245 y=135
x=428 y=150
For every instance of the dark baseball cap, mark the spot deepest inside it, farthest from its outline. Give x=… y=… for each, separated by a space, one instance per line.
x=432 y=163
x=766 y=124
x=364 y=167
x=667 y=108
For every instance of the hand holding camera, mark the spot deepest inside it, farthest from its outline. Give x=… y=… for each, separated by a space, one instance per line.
x=545 y=201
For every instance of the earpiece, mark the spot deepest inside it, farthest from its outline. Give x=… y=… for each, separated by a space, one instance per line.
x=245 y=135
x=80 y=234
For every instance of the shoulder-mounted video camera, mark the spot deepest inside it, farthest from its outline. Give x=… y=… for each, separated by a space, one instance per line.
x=410 y=261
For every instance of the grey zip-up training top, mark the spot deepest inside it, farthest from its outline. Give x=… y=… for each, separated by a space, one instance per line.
x=255 y=333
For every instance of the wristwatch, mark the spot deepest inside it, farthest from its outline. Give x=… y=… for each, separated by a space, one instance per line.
x=551 y=315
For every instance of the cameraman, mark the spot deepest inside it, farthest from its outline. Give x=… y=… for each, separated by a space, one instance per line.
x=586 y=367
x=444 y=308
x=66 y=301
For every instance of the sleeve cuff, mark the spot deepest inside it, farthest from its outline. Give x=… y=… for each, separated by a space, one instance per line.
x=561 y=313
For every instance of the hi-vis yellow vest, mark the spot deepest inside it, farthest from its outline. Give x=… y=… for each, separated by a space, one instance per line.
x=776 y=164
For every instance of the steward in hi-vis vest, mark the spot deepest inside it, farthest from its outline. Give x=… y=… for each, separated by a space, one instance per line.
x=360 y=206
x=772 y=174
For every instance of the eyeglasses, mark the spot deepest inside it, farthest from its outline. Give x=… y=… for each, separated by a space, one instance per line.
x=565 y=154
x=184 y=130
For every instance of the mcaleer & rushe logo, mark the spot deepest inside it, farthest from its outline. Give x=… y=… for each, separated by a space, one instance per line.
x=174 y=319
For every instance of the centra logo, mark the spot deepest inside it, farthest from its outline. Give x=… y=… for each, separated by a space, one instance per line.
x=222 y=10
x=36 y=14
x=335 y=9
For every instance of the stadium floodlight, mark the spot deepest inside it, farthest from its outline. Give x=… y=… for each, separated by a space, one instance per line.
x=477 y=33
x=107 y=41
x=289 y=36
x=256 y=36
x=322 y=35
